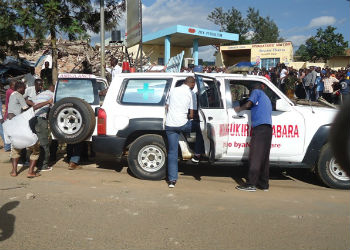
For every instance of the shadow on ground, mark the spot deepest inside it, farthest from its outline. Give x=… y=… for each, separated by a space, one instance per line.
x=237 y=173
x=7 y=220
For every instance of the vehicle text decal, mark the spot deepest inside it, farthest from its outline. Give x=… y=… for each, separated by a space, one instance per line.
x=278 y=131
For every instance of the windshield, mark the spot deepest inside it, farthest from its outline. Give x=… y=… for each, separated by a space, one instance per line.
x=81 y=88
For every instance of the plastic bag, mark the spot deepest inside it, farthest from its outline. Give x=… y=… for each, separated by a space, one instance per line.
x=18 y=132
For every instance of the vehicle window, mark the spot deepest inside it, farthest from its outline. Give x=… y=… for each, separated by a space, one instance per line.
x=145 y=91
x=240 y=91
x=102 y=90
x=82 y=88
x=209 y=95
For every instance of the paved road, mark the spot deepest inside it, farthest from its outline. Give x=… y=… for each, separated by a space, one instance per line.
x=107 y=208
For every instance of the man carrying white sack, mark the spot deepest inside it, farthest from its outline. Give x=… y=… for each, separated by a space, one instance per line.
x=18 y=132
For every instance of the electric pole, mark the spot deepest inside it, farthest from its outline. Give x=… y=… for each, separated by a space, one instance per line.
x=102 y=20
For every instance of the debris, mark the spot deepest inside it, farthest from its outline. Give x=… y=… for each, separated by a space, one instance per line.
x=79 y=56
x=30 y=196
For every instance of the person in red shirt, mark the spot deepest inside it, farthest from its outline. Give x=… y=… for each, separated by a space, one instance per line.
x=266 y=74
x=8 y=94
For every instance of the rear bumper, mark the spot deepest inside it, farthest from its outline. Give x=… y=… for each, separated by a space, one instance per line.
x=108 y=145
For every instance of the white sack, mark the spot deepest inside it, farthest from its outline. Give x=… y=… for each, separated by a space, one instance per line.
x=17 y=130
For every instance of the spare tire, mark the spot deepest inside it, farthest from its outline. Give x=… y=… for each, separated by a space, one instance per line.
x=72 y=120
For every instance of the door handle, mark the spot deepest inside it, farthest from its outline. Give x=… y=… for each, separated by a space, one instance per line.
x=210 y=118
x=238 y=117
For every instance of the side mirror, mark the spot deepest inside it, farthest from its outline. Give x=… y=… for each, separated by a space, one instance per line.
x=282 y=105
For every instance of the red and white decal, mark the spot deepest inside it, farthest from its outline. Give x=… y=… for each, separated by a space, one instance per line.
x=245 y=130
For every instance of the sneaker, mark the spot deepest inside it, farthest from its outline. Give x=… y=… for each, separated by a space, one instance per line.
x=172 y=184
x=263 y=188
x=195 y=158
x=46 y=168
x=248 y=188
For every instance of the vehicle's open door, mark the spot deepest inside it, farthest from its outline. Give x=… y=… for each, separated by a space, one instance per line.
x=213 y=116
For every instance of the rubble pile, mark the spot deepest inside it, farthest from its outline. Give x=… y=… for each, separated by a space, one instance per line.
x=77 y=56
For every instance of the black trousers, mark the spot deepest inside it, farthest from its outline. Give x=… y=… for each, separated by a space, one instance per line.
x=259 y=155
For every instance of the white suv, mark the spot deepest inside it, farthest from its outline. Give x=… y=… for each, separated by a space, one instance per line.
x=130 y=123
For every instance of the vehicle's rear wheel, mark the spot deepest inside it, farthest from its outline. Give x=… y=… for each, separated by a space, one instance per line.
x=72 y=120
x=329 y=171
x=147 y=158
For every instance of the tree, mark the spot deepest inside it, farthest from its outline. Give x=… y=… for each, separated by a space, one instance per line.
x=302 y=52
x=230 y=21
x=252 y=29
x=264 y=30
x=324 y=45
x=72 y=18
x=12 y=41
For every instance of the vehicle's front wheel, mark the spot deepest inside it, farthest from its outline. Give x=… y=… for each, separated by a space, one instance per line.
x=147 y=157
x=330 y=172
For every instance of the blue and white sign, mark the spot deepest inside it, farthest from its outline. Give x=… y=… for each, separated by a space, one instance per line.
x=174 y=64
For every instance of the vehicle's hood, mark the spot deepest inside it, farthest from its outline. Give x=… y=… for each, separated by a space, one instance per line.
x=318 y=115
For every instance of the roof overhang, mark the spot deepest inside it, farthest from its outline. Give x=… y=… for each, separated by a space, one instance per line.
x=183 y=36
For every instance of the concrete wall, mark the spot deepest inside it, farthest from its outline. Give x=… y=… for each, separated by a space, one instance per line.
x=157 y=51
x=338 y=62
x=334 y=63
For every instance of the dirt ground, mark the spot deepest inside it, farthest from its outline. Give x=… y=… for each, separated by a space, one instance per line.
x=107 y=208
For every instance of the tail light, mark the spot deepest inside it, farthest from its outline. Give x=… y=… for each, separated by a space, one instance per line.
x=101 y=122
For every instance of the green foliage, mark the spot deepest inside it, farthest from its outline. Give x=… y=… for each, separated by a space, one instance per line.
x=324 y=45
x=252 y=29
x=39 y=18
x=290 y=82
x=302 y=52
x=11 y=41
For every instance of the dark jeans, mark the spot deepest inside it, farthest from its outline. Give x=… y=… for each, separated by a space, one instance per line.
x=259 y=156
x=310 y=93
x=74 y=152
x=199 y=145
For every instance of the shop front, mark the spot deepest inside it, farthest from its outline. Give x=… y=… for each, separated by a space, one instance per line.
x=265 y=55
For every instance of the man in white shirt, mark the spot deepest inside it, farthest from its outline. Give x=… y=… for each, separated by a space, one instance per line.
x=116 y=69
x=31 y=92
x=179 y=108
x=283 y=75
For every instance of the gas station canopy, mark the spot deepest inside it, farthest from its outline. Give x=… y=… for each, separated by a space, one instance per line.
x=185 y=36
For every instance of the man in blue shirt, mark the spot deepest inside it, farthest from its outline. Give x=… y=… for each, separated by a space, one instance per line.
x=260 y=143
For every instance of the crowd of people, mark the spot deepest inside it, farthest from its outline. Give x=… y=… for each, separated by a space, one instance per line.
x=310 y=83
x=20 y=98
x=306 y=83
x=37 y=93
